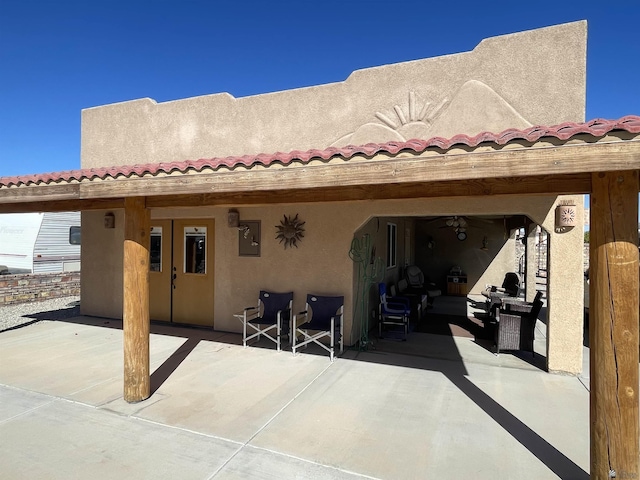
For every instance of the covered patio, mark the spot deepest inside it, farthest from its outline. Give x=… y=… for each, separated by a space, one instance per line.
x=599 y=158
x=495 y=132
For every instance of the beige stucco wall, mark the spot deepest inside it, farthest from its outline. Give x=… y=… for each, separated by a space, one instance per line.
x=102 y=268
x=566 y=290
x=511 y=81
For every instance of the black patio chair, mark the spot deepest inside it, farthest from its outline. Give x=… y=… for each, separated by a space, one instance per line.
x=393 y=311
x=322 y=319
x=510 y=288
x=271 y=317
x=516 y=324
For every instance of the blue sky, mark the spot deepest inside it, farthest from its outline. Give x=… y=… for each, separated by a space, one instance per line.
x=59 y=57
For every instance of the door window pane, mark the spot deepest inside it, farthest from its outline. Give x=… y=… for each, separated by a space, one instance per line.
x=155 y=250
x=195 y=250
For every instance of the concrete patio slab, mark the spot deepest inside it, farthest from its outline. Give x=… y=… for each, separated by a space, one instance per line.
x=219 y=410
x=399 y=417
x=63 y=440
x=14 y=402
x=260 y=464
x=229 y=391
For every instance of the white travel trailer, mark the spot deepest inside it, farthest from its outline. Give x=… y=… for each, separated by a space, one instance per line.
x=39 y=242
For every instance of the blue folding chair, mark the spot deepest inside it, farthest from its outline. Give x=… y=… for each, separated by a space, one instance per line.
x=394 y=311
x=271 y=317
x=324 y=316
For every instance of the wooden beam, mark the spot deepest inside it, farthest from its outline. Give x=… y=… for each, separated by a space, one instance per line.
x=564 y=184
x=44 y=192
x=560 y=169
x=535 y=185
x=613 y=326
x=467 y=168
x=41 y=205
x=136 y=323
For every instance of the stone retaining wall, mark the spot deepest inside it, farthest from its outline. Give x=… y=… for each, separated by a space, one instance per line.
x=30 y=287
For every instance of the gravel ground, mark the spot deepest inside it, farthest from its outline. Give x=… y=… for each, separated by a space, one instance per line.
x=23 y=314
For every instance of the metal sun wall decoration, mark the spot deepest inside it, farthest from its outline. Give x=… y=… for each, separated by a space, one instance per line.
x=290 y=231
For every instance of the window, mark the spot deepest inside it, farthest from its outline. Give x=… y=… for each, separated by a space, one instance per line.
x=74 y=235
x=195 y=249
x=392 y=236
x=155 y=250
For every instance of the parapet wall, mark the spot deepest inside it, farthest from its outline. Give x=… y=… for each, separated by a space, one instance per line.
x=38 y=286
x=518 y=80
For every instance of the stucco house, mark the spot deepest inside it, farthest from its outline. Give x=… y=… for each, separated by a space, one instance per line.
x=484 y=90
x=496 y=134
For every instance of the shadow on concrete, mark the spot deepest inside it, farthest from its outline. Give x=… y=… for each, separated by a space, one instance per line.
x=164 y=371
x=193 y=334
x=553 y=458
x=22 y=325
x=71 y=310
x=456 y=372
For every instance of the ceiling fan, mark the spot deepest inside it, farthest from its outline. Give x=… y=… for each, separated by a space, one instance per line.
x=458 y=224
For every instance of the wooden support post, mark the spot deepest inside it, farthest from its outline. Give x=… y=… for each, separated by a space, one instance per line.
x=136 y=300
x=613 y=326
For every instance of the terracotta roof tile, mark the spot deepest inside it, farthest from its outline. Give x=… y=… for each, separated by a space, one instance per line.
x=597 y=128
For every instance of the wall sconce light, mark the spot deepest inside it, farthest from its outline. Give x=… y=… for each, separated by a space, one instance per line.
x=245 y=229
x=485 y=243
x=109 y=220
x=249 y=238
x=233 y=218
x=565 y=216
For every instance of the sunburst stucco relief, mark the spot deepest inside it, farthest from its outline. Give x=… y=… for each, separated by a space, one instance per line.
x=474 y=108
